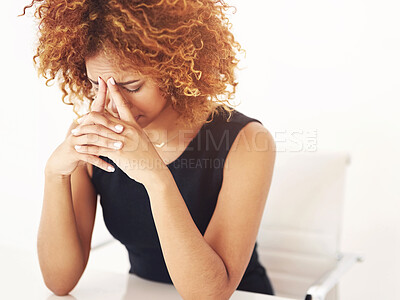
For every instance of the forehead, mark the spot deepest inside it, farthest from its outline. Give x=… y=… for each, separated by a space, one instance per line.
x=99 y=65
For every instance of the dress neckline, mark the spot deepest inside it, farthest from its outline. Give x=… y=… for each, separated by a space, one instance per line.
x=192 y=141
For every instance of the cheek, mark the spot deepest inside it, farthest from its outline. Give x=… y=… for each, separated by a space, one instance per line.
x=149 y=101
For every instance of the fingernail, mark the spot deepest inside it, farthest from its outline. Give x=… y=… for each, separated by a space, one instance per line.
x=80 y=120
x=111 y=168
x=117 y=145
x=74 y=131
x=111 y=81
x=118 y=128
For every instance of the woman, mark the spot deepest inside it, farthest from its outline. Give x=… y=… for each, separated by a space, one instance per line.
x=154 y=146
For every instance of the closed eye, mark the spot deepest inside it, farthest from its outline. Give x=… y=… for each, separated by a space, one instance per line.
x=132 y=91
x=96 y=89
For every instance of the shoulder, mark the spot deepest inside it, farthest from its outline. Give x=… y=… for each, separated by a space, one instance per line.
x=258 y=135
x=253 y=150
x=251 y=134
x=246 y=137
x=253 y=141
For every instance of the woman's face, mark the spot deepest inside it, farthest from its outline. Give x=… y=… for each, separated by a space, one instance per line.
x=142 y=93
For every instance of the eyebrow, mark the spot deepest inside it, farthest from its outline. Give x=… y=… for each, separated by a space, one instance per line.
x=118 y=83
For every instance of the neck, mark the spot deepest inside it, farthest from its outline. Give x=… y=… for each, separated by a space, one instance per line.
x=165 y=126
x=165 y=120
x=160 y=130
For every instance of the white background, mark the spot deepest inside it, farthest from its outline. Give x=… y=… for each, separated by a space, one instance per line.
x=327 y=67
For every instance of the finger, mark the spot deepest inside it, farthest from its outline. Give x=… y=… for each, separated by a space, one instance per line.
x=96 y=161
x=111 y=116
x=111 y=113
x=98 y=119
x=99 y=104
x=97 y=130
x=81 y=119
x=94 y=150
x=97 y=140
x=121 y=103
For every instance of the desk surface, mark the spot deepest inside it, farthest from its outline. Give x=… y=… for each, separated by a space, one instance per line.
x=20 y=278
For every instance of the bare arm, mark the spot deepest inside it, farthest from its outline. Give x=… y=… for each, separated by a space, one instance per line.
x=66 y=225
x=212 y=266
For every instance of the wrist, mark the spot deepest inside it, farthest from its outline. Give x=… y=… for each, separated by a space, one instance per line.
x=158 y=179
x=50 y=173
x=56 y=177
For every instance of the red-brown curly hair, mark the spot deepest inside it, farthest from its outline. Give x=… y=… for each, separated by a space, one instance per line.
x=185 y=45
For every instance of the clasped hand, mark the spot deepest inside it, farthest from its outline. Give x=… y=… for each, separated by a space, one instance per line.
x=122 y=140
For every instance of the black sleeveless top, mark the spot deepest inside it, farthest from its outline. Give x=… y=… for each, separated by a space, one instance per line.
x=198 y=174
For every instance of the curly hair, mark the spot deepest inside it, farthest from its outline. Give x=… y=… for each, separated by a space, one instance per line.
x=186 y=46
